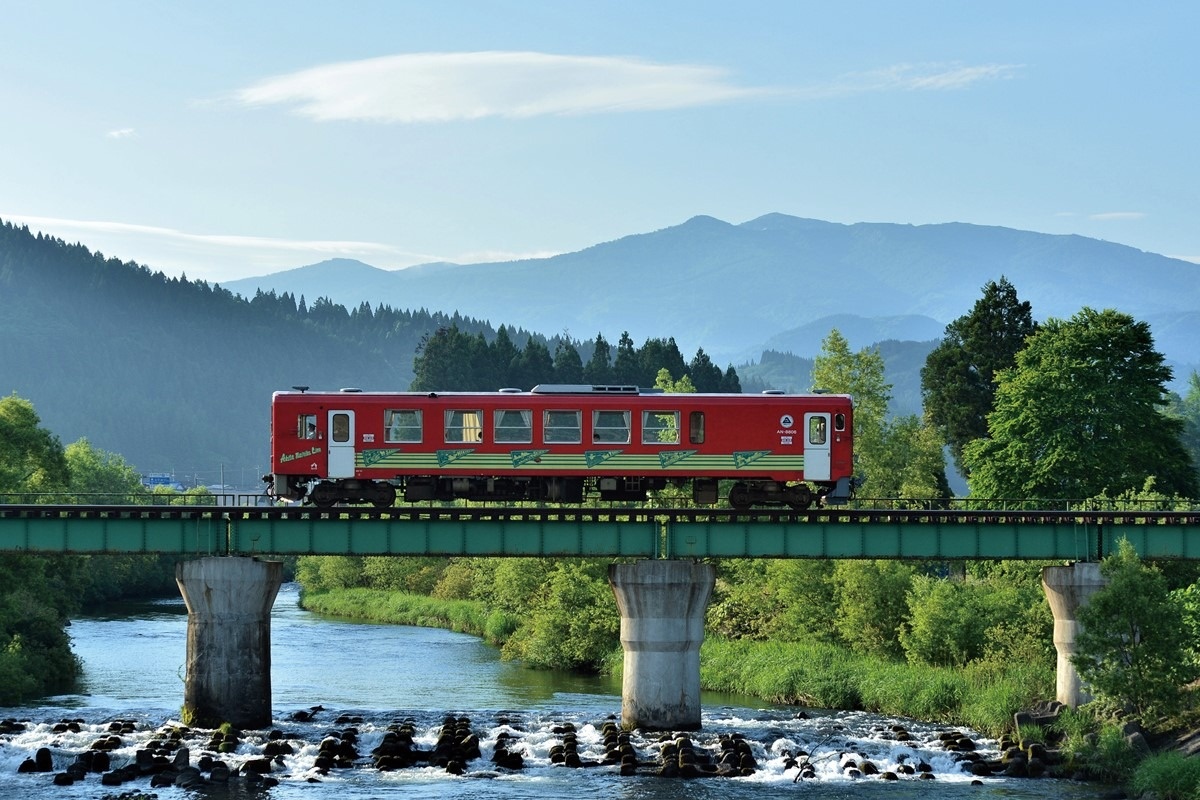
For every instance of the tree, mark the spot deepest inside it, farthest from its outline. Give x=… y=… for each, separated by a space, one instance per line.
x=705 y=374
x=568 y=366
x=599 y=369
x=1081 y=414
x=452 y=361
x=97 y=472
x=626 y=367
x=1133 y=643
x=958 y=381
x=665 y=382
x=31 y=457
x=1187 y=408
x=533 y=367
x=897 y=459
x=871 y=604
x=503 y=355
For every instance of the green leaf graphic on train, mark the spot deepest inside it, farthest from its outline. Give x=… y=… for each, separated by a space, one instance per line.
x=669 y=458
x=743 y=458
x=595 y=458
x=522 y=457
x=447 y=457
x=372 y=457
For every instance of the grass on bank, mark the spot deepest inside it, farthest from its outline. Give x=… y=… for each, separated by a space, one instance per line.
x=981 y=696
x=396 y=608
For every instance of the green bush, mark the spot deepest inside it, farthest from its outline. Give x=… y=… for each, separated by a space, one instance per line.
x=1168 y=776
x=1133 y=644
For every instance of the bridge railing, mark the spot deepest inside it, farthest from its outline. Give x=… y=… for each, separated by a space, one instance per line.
x=967 y=504
x=151 y=499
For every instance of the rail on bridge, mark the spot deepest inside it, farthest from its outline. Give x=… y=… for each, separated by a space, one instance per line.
x=843 y=533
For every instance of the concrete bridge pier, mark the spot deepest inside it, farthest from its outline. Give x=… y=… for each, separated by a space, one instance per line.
x=1068 y=589
x=662 y=607
x=228 y=669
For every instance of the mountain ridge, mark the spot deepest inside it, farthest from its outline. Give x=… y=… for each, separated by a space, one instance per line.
x=734 y=288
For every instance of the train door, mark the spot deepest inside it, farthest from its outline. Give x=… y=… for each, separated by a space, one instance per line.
x=816 y=447
x=341 y=444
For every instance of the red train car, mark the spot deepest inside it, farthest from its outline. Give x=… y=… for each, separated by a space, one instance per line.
x=559 y=443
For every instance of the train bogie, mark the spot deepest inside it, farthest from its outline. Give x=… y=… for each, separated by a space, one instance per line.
x=560 y=444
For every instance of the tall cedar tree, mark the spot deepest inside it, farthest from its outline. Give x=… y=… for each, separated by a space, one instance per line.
x=958 y=381
x=1082 y=414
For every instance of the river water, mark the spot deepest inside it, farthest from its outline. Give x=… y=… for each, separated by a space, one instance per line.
x=366 y=678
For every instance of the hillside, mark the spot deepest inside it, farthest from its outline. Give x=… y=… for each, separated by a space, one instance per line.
x=174 y=375
x=780 y=282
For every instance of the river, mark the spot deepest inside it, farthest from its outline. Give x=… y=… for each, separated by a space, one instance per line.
x=366 y=677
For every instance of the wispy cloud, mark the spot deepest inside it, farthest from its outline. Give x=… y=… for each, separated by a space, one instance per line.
x=441 y=87
x=331 y=247
x=121 y=133
x=444 y=87
x=911 y=78
x=216 y=257
x=1117 y=215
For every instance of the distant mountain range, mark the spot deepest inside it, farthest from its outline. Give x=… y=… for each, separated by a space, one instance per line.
x=781 y=282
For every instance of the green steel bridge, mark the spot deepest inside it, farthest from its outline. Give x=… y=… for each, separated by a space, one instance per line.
x=646 y=533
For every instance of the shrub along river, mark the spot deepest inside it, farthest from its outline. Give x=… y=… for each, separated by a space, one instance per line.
x=393 y=691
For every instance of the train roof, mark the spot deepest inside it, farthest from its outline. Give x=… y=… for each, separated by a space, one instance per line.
x=546 y=389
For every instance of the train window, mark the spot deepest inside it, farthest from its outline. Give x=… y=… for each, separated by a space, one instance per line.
x=562 y=427
x=340 y=427
x=696 y=427
x=514 y=426
x=402 y=425
x=464 y=425
x=816 y=430
x=660 y=427
x=610 y=427
x=306 y=426
x=839 y=422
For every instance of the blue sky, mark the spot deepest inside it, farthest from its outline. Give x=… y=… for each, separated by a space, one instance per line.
x=229 y=139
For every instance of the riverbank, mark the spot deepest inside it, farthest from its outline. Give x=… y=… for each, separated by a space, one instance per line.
x=981 y=696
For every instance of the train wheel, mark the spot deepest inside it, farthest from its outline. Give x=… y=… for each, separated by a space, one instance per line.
x=739 y=496
x=324 y=495
x=799 y=497
x=383 y=495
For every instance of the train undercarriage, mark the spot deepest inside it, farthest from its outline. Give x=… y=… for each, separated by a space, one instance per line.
x=413 y=489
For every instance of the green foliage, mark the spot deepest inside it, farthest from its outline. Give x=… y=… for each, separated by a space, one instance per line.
x=36 y=596
x=803 y=606
x=664 y=381
x=327 y=573
x=742 y=605
x=1187 y=409
x=451 y=359
x=31 y=457
x=574 y=624
x=1105 y=756
x=908 y=462
x=1167 y=776
x=414 y=575
x=1133 y=647
x=1080 y=414
x=958 y=381
x=901 y=458
x=828 y=676
x=871 y=605
x=952 y=622
x=98 y=473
